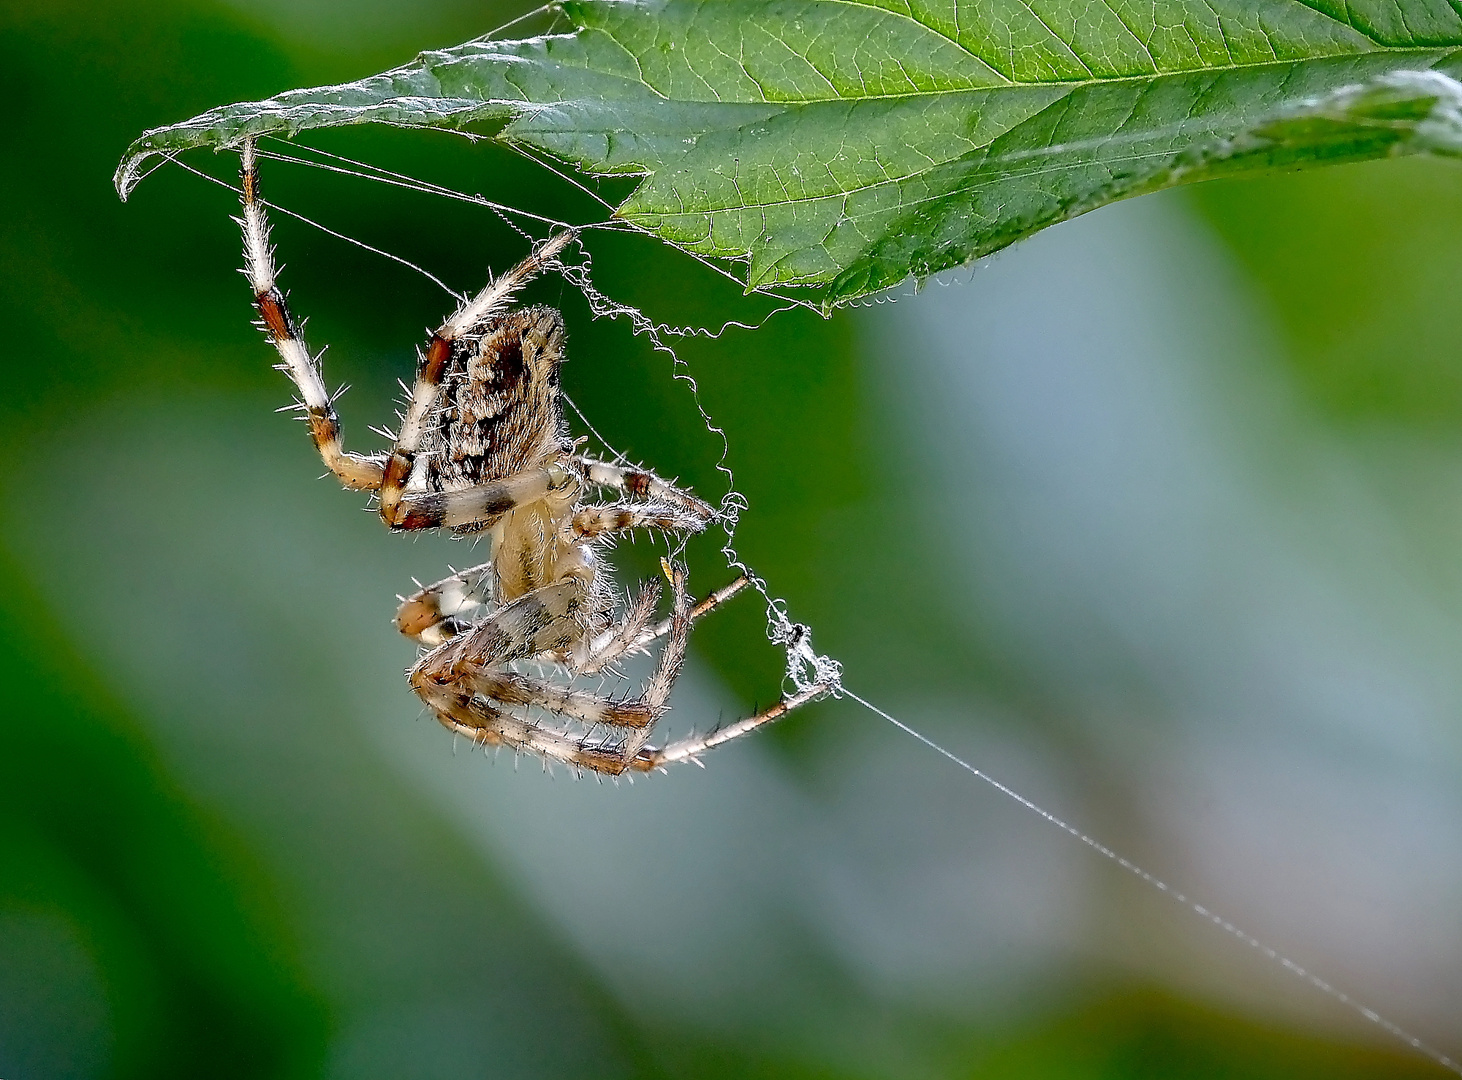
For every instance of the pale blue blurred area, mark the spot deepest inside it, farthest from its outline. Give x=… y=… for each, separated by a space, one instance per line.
x=53 y=1011
x=1208 y=585
x=1245 y=682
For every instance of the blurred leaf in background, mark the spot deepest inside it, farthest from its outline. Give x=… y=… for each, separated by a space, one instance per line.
x=1134 y=518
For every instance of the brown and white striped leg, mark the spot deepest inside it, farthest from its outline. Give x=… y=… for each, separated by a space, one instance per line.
x=478 y=506
x=641 y=485
x=595 y=521
x=444 y=609
x=484 y=671
x=514 y=690
x=356 y=471
x=692 y=748
x=487 y=725
x=546 y=620
x=432 y=369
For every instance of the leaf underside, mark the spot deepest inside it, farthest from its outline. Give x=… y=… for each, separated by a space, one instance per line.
x=845 y=145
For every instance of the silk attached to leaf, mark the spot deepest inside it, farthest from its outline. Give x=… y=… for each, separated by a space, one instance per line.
x=844 y=145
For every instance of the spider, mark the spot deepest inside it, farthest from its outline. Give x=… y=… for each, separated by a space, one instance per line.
x=483 y=449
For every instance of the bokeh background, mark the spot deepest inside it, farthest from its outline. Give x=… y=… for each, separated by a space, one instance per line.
x=1157 y=517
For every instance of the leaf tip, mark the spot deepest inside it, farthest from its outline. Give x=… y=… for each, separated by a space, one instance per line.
x=129 y=171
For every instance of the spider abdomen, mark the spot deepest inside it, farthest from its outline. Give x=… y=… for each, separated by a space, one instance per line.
x=500 y=412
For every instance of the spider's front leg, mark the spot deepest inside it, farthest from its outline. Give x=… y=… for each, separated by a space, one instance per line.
x=473 y=507
x=358 y=471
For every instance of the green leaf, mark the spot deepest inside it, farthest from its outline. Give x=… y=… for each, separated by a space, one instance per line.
x=844 y=145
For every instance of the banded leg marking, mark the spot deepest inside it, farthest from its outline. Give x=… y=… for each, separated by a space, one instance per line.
x=641 y=485
x=357 y=471
x=467 y=685
x=595 y=521
x=432 y=615
x=480 y=505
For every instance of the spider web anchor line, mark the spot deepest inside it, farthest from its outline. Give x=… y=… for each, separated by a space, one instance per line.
x=1269 y=953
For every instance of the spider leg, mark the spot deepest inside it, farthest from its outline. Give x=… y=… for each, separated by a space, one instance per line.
x=618 y=640
x=467 y=683
x=433 y=615
x=595 y=521
x=692 y=748
x=547 y=620
x=357 y=471
x=432 y=370
x=477 y=506
x=639 y=484
x=490 y=726
x=635 y=633
x=705 y=607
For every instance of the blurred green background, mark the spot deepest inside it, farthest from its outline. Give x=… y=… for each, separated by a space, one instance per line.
x=1156 y=517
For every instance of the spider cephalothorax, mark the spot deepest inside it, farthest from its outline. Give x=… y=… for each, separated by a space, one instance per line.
x=483 y=448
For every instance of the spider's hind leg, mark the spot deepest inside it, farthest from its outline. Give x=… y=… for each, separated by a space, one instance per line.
x=470 y=686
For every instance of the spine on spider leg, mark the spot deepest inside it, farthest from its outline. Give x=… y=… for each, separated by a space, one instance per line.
x=500 y=290
x=353 y=470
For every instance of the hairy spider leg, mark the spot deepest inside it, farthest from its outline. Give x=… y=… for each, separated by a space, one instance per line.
x=478 y=506
x=705 y=607
x=433 y=614
x=595 y=521
x=387 y=474
x=358 y=471
x=691 y=749
x=618 y=640
x=635 y=632
x=455 y=678
x=641 y=485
